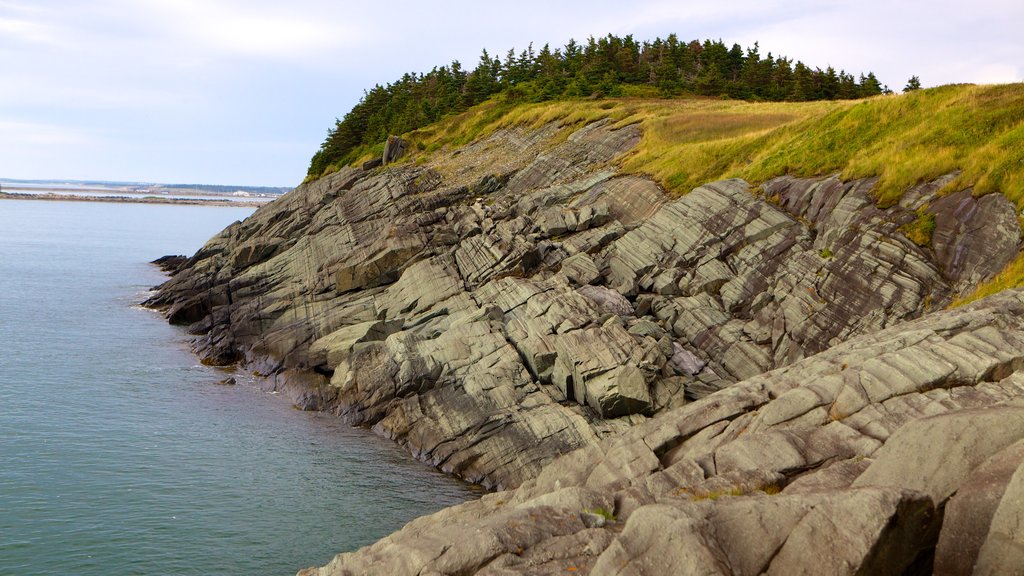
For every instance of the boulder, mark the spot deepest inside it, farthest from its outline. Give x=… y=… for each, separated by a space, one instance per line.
x=580 y=269
x=394 y=149
x=974 y=238
x=934 y=455
x=968 y=522
x=618 y=392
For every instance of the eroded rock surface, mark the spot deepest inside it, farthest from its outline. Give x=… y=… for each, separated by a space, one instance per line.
x=842 y=463
x=518 y=298
x=725 y=373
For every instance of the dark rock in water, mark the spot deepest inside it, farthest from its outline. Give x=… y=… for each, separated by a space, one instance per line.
x=394 y=148
x=229 y=381
x=170 y=263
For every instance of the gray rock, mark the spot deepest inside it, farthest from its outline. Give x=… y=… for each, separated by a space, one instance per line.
x=618 y=392
x=373 y=163
x=394 y=148
x=1002 y=552
x=607 y=300
x=974 y=238
x=967 y=437
x=580 y=269
x=684 y=361
x=967 y=523
x=787 y=340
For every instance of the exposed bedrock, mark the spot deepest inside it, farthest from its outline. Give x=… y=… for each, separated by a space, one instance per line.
x=896 y=452
x=518 y=298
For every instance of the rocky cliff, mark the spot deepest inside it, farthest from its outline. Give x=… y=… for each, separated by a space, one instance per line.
x=518 y=299
x=896 y=452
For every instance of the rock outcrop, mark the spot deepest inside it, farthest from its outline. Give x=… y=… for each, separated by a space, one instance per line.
x=518 y=299
x=843 y=463
x=394 y=149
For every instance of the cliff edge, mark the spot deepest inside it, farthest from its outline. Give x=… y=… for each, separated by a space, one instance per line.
x=500 y=304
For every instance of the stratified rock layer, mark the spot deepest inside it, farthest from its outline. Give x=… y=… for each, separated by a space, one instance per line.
x=518 y=299
x=841 y=463
x=734 y=377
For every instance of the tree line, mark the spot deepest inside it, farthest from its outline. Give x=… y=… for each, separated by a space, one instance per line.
x=603 y=67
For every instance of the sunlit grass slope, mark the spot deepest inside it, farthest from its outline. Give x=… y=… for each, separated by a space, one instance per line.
x=904 y=140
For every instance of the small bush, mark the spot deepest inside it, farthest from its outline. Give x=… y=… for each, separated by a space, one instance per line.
x=921 y=229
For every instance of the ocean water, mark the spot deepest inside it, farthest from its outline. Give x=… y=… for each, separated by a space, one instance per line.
x=119 y=453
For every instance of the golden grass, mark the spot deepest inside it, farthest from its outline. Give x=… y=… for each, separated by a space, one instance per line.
x=742 y=490
x=920 y=230
x=904 y=140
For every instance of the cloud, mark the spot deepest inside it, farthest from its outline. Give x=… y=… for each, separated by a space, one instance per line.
x=980 y=72
x=177 y=88
x=29 y=24
x=249 y=29
x=18 y=133
x=15 y=30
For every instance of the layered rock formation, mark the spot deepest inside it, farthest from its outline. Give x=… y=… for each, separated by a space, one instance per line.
x=838 y=464
x=518 y=299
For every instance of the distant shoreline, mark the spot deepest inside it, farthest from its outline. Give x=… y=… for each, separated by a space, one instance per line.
x=132 y=200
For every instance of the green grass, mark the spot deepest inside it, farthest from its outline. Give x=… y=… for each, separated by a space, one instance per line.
x=920 y=230
x=904 y=140
x=603 y=513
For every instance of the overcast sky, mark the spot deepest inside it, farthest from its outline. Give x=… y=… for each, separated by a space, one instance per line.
x=243 y=92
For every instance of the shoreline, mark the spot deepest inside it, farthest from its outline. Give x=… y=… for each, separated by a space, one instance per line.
x=133 y=200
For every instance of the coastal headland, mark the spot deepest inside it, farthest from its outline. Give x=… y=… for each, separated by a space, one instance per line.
x=675 y=337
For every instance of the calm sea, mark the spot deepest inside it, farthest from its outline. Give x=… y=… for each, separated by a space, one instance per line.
x=118 y=452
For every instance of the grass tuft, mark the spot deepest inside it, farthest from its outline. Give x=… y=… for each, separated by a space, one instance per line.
x=921 y=229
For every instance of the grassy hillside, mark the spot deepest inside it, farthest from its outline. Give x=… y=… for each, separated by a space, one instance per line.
x=903 y=139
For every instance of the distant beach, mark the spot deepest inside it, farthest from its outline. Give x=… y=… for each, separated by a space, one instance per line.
x=82 y=194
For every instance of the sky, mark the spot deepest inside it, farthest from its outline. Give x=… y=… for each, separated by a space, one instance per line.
x=243 y=92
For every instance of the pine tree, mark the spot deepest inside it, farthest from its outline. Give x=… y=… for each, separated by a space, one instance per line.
x=601 y=67
x=803 y=84
x=869 y=85
x=913 y=84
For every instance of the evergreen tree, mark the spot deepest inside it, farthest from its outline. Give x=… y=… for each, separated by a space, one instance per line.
x=600 y=67
x=869 y=85
x=913 y=84
x=803 y=86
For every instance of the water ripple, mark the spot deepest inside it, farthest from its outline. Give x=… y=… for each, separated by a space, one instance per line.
x=118 y=455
